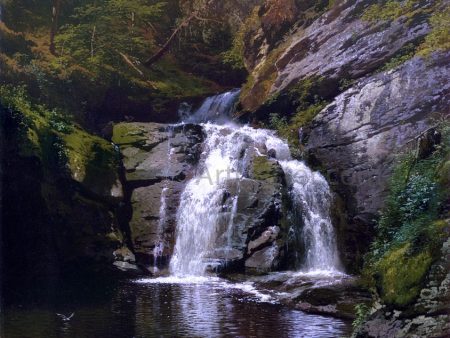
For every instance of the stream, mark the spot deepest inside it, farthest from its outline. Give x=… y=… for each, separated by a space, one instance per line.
x=166 y=307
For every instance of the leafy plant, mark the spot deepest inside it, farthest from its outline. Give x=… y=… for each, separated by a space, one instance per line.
x=407 y=52
x=60 y=122
x=362 y=311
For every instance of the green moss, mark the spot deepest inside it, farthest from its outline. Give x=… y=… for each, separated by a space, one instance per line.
x=296 y=107
x=264 y=169
x=92 y=161
x=127 y=134
x=168 y=80
x=257 y=87
x=305 y=116
x=404 y=54
x=401 y=276
x=390 y=10
x=439 y=36
x=412 y=227
x=62 y=146
x=234 y=57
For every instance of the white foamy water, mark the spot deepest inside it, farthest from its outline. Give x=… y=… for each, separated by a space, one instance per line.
x=246 y=288
x=226 y=155
x=311 y=198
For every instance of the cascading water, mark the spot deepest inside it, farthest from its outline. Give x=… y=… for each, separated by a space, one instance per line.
x=158 y=249
x=217 y=109
x=226 y=154
x=311 y=199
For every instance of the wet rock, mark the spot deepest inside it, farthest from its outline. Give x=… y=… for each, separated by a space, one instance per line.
x=158 y=159
x=428 y=316
x=124 y=254
x=127 y=267
x=256 y=222
x=272 y=153
x=151 y=223
x=331 y=295
x=263 y=260
x=266 y=237
x=153 y=151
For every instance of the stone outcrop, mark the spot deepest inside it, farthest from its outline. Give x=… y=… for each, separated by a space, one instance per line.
x=355 y=138
x=257 y=236
x=61 y=197
x=339 y=45
x=429 y=316
x=157 y=161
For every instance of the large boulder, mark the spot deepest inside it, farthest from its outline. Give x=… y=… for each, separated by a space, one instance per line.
x=158 y=159
x=257 y=232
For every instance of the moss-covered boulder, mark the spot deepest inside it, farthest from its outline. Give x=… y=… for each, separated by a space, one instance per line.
x=400 y=275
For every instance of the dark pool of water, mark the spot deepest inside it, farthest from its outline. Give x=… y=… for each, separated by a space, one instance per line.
x=212 y=308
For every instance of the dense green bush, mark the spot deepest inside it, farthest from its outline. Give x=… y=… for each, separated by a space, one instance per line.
x=412 y=225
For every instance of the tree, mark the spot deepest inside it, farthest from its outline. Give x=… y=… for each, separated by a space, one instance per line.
x=110 y=34
x=185 y=22
x=56 y=10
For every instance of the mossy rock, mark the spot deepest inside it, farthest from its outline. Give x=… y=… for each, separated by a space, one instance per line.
x=128 y=134
x=266 y=169
x=94 y=163
x=400 y=276
x=64 y=149
x=444 y=173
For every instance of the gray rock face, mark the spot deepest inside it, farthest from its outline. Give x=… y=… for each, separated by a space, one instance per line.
x=342 y=45
x=157 y=160
x=153 y=216
x=356 y=136
x=337 y=46
x=153 y=151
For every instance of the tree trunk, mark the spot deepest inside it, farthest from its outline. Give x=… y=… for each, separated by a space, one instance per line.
x=56 y=9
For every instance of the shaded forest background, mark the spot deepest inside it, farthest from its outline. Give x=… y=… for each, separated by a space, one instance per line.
x=93 y=59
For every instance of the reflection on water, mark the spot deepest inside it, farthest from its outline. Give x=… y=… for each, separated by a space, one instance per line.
x=170 y=308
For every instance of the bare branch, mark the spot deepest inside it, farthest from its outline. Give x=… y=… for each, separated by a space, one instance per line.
x=130 y=63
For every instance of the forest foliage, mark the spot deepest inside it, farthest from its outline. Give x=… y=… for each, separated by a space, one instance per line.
x=100 y=47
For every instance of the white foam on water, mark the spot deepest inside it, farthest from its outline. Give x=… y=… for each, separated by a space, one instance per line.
x=247 y=288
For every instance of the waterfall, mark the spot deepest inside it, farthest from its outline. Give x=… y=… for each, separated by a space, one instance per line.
x=217 y=109
x=158 y=249
x=226 y=155
x=311 y=199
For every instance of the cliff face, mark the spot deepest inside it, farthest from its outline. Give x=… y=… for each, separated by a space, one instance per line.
x=339 y=56
x=353 y=85
x=356 y=138
x=343 y=43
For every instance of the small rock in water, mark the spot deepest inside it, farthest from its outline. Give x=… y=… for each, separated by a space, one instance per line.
x=272 y=153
